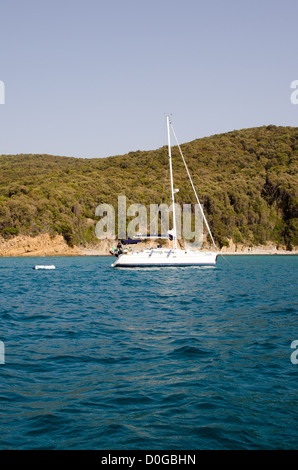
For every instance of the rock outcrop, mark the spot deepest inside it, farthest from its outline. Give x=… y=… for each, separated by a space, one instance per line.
x=41 y=245
x=46 y=245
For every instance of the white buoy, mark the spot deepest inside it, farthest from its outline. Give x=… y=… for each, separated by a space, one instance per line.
x=44 y=267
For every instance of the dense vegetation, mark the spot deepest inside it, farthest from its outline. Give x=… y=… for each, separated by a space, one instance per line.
x=246 y=179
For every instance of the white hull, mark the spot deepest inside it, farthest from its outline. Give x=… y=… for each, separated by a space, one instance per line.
x=44 y=267
x=165 y=257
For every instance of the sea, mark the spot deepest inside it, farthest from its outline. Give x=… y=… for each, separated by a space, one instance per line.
x=193 y=358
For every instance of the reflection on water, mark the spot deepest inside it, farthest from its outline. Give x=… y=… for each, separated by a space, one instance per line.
x=157 y=358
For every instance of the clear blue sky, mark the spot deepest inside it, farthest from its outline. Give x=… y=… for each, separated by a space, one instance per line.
x=95 y=78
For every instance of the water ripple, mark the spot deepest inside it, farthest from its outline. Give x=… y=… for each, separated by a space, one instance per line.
x=148 y=359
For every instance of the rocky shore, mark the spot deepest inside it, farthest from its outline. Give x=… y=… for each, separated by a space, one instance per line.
x=42 y=245
x=45 y=245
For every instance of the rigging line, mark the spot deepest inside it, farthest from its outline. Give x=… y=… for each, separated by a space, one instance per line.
x=202 y=212
x=172 y=183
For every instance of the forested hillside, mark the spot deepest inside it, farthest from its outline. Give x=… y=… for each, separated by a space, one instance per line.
x=247 y=180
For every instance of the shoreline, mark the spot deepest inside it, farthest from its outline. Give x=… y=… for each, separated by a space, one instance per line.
x=82 y=255
x=45 y=245
x=95 y=253
x=107 y=255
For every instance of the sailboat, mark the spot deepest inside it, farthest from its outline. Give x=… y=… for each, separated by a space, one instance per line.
x=174 y=256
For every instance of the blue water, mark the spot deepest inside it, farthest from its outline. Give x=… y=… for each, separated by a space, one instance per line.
x=168 y=358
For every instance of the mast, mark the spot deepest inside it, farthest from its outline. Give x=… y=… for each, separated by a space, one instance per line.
x=172 y=184
x=194 y=190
